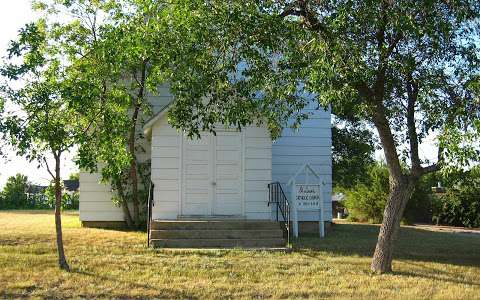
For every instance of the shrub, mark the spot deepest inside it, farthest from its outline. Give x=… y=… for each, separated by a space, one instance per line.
x=460 y=205
x=421 y=205
x=365 y=202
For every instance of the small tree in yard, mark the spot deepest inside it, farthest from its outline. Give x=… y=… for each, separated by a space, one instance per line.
x=39 y=119
x=116 y=55
x=406 y=68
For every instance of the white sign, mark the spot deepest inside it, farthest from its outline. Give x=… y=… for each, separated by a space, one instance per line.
x=307 y=197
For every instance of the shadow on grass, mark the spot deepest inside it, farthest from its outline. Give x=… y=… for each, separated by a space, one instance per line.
x=412 y=244
x=119 y=229
x=69 y=212
x=161 y=292
x=26 y=240
x=436 y=274
x=360 y=240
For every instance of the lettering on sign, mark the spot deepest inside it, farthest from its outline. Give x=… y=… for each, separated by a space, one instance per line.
x=307 y=196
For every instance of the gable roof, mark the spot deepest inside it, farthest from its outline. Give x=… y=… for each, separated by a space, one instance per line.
x=306 y=168
x=36 y=189
x=157 y=116
x=71 y=185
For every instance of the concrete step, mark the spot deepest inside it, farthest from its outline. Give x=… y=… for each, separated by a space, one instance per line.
x=216 y=234
x=218 y=243
x=214 y=225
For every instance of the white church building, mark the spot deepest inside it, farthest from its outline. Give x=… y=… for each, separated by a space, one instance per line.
x=220 y=177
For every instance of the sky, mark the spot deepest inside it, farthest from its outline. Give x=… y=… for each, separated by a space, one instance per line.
x=13 y=15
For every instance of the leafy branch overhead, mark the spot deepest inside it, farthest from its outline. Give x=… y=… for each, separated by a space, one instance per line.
x=409 y=69
x=387 y=63
x=115 y=64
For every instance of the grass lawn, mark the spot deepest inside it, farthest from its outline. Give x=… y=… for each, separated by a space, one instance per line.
x=107 y=263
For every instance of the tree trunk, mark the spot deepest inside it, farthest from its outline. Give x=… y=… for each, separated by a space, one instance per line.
x=137 y=105
x=133 y=170
x=124 y=202
x=401 y=189
x=62 y=261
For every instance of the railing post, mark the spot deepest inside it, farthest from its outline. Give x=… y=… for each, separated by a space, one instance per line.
x=288 y=224
x=276 y=198
x=149 y=213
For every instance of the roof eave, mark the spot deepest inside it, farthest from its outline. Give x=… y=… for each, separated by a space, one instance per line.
x=147 y=128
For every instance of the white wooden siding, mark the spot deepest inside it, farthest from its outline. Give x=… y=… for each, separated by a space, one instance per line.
x=96 y=198
x=166 y=175
x=311 y=143
x=263 y=162
x=257 y=171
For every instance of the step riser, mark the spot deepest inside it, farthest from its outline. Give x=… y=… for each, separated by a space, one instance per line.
x=217 y=243
x=158 y=225
x=216 y=234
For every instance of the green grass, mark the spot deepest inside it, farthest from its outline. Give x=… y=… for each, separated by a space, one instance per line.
x=116 y=264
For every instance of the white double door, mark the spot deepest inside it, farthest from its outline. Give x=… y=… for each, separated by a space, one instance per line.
x=212 y=175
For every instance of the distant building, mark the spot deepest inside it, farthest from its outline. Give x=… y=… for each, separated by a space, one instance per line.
x=37 y=197
x=71 y=186
x=36 y=194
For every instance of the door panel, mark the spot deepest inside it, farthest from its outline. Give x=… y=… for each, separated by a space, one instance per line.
x=212 y=175
x=228 y=174
x=197 y=177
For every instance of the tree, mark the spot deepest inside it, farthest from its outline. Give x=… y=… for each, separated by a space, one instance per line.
x=40 y=119
x=115 y=54
x=406 y=68
x=14 y=193
x=352 y=154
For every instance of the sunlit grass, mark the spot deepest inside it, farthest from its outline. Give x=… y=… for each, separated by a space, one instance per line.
x=108 y=263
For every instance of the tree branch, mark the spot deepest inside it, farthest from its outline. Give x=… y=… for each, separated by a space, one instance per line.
x=300 y=8
x=365 y=91
x=48 y=168
x=388 y=142
x=393 y=44
x=379 y=85
x=412 y=93
x=290 y=10
x=436 y=166
x=431 y=168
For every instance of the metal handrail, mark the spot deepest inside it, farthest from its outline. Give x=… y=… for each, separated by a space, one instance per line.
x=277 y=196
x=151 y=204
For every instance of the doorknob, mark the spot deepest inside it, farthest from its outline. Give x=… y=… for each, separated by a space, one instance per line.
x=214 y=183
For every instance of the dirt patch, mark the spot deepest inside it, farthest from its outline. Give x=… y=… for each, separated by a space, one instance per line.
x=448 y=229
